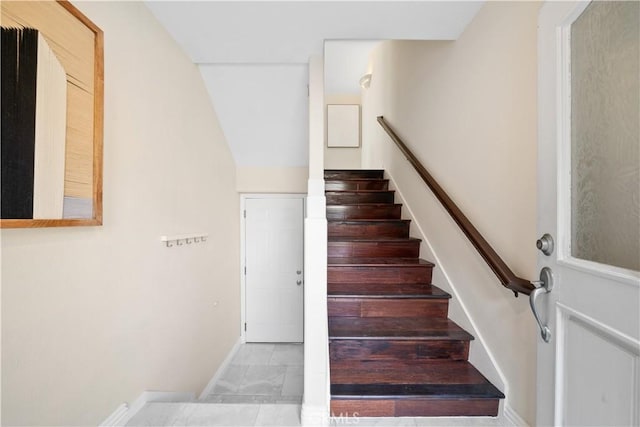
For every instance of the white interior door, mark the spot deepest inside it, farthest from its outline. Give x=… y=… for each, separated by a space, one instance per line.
x=273 y=275
x=589 y=202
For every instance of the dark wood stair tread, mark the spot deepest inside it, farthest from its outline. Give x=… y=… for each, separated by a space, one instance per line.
x=389 y=328
x=384 y=290
x=360 y=197
x=371 y=246
x=356 y=184
x=333 y=174
x=347 y=212
x=411 y=388
x=372 y=262
x=359 y=205
x=353 y=180
x=350 y=239
x=379 y=372
x=420 y=391
x=355 y=192
x=369 y=226
x=373 y=221
x=364 y=205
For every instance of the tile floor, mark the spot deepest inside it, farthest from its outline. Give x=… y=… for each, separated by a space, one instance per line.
x=217 y=414
x=262 y=386
x=262 y=373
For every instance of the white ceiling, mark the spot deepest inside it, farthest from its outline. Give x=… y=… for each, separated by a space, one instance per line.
x=219 y=34
x=291 y=31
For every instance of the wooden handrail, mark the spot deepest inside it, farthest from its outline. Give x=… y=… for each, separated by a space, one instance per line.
x=499 y=267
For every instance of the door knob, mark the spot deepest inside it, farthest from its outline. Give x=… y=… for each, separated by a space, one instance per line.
x=545 y=284
x=298 y=282
x=545 y=244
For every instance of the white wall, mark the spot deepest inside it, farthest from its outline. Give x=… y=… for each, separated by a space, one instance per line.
x=468 y=111
x=271 y=180
x=263 y=110
x=93 y=316
x=345 y=62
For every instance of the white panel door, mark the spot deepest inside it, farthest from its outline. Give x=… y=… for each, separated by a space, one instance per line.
x=274 y=276
x=588 y=202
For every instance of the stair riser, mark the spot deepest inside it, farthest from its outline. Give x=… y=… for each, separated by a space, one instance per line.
x=379 y=274
x=397 y=350
x=387 y=229
x=408 y=249
x=356 y=185
x=364 y=212
x=414 y=407
x=387 y=307
x=330 y=175
x=355 y=198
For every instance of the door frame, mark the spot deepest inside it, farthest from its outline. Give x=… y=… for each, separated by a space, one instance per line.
x=243 y=249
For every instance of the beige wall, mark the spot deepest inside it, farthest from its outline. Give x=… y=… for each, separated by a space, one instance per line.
x=94 y=316
x=341 y=158
x=272 y=179
x=468 y=110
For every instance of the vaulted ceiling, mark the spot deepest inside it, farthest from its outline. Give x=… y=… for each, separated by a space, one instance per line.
x=253 y=57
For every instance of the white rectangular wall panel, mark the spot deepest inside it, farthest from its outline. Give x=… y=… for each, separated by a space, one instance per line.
x=343 y=125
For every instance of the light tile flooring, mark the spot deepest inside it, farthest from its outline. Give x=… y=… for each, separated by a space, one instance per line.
x=262 y=386
x=217 y=414
x=262 y=373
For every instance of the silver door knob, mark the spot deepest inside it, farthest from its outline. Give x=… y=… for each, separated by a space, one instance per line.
x=545 y=244
x=544 y=285
x=298 y=282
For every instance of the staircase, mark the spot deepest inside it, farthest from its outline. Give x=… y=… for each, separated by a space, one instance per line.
x=393 y=351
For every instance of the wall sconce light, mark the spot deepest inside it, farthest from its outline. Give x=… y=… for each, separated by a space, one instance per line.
x=365 y=81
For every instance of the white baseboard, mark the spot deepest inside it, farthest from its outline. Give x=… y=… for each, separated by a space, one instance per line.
x=124 y=413
x=223 y=366
x=117 y=418
x=510 y=418
x=121 y=416
x=314 y=416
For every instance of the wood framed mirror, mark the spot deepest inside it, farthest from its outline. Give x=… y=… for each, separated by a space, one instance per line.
x=52 y=116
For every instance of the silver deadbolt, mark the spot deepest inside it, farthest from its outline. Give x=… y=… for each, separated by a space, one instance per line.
x=298 y=272
x=545 y=244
